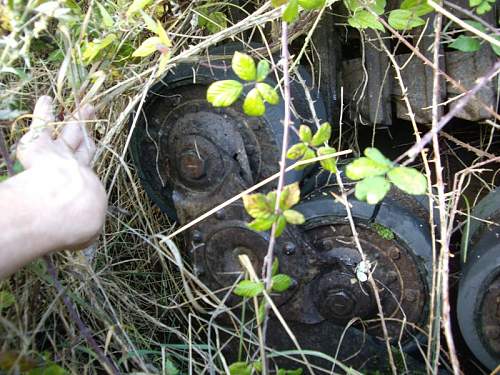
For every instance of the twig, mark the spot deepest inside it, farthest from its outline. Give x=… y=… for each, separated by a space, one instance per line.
x=419 y=146
x=84 y=330
x=445 y=250
x=268 y=260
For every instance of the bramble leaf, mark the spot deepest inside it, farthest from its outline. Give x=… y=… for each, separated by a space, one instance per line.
x=322 y=135
x=418 y=7
x=309 y=154
x=312 y=4
x=364 y=20
x=263 y=69
x=375 y=155
x=378 y=6
x=281 y=283
x=291 y=11
x=280 y=225
x=294 y=217
x=240 y=368
x=328 y=164
x=290 y=196
x=404 y=19
x=254 y=104
x=372 y=189
x=257 y=206
x=244 y=66
x=364 y=167
x=263 y=223
x=224 y=93
x=147 y=47
x=305 y=133
x=278 y=3
x=409 y=180
x=296 y=151
x=466 y=44
x=248 y=288
x=268 y=93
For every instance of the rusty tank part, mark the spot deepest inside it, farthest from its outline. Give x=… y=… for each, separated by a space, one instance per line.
x=478 y=306
x=191 y=157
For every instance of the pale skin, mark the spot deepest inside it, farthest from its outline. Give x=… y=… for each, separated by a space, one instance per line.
x=57 y=202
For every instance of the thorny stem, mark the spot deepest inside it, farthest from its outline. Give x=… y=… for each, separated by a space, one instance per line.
x=268 y=262
x=445 y=250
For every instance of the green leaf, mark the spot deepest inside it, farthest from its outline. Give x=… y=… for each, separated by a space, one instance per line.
x=137 y=5
x=278 y=3
x=466 y=44
x=276 y=266
x=482 y=6
x=263 y=69
x=409 y=180
x=271 y=200
x=257 y=365
x=305 y=133
x=404 y=19
x=294 y=217
x=418 y=7
x=216 y=22
x=476 y=25
x=297 y=371
x=364 y=167
x=312 y=4
x=281 y=283
x=372 y=189
x=328 y=164
x=147 y=47
x=248 y=288
x=224 y=93
x=107 y=20
x=254 y=104
x=375 y=155
x=268 y=93
x=280 y=225
x=296 y=151
x=322 y=135
x=52 y=369
x=378 y=6
x=257 y=206
x=240 y=368
x=309 y=154
x=291 y=11
x=496 y=49
x=244 y=66
x=261 y=315
x=290 y=196
x=262 y=224
x=93 y=48
x=364 y=20
x=7 y=299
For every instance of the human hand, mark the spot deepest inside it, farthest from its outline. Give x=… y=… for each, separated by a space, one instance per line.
x=72 y=201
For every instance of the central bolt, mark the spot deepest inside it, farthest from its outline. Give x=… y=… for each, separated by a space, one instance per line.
x=339 y=303
x=192 y=166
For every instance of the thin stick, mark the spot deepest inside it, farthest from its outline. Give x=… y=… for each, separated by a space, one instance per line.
x=419 y=146
x=445 y=250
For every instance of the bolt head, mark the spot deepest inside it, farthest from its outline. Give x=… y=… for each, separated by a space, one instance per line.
x=395 y=253
x=327 y=244
x=220 y=215
x=289 y=248
x=339 y=303
x=197 y=236
x=391 y=276
x=192 y=166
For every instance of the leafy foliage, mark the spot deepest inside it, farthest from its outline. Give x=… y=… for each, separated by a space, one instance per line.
x=308 y=148
x=262 y=208
x=281 y=283
x=291 y=11
x=248 y=288
x=481 y=6
x=226 y=93
x=372 y=170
